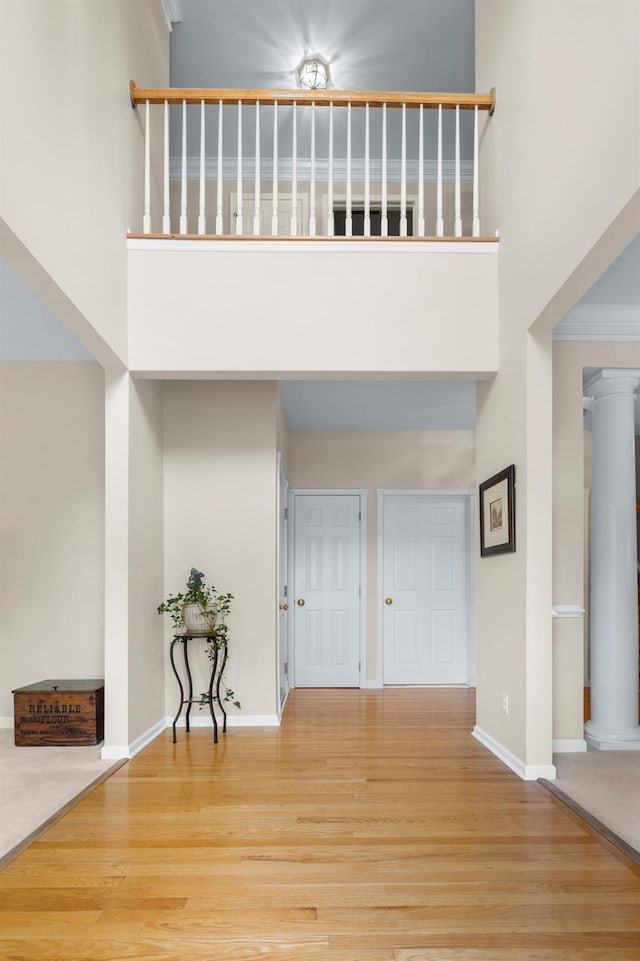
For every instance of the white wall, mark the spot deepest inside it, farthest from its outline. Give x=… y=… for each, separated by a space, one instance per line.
x=567 y=89
x=70 y=185
x=220 y=488
x=282 y=431
x=312 y=310
x=380 y=460
x=146 y=559
x=567 y=75
x=51 y=524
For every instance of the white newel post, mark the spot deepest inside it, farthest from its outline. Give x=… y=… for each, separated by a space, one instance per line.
x=614 y=611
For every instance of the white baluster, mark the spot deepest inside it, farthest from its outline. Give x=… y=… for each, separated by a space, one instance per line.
x=348 y=223
x=421 y=174
x=475 y=230
x=312 y=186
x=256 y=208
x=457 y=227
x=403 y=174
x=202 y=225
x=439 y=218
x=183 y=191
x=274 y=212
x=384 y=220
x=166 y=214
x=294 y=178
x=367 y=187
x=330 y=217
x=219 y=214
x=146 y=213
x=239 y=225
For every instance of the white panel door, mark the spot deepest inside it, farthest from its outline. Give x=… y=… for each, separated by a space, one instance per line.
x=326 y=597
x=424 y=611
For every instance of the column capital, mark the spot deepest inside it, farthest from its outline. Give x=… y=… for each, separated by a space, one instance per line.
x=612 y=380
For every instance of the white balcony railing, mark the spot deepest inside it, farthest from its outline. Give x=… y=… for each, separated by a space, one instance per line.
x=321 y=163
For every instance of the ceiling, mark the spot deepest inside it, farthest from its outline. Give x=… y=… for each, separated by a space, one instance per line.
x=369 y=44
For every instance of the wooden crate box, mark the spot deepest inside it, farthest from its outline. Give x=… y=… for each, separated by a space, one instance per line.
x=59 y=712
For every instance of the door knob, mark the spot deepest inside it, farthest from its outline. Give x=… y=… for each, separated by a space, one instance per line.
x=283 y=607
x=388 y=600
x=301 y=602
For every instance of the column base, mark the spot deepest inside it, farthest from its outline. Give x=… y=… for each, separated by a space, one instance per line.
x=599 y=740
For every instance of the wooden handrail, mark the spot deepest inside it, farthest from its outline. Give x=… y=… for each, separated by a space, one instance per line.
x=339 y=98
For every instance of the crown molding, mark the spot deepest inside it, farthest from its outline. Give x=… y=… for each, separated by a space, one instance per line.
x=600 y=322
x=172 y=11
x=303 y=170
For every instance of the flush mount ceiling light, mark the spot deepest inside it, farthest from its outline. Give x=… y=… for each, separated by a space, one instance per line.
x=313 y=74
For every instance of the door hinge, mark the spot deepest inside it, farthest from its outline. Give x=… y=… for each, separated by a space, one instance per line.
x=359 y=592
x=286 y=667
x=286 y=591
x=360 y=516
x=286 y=513
x=359 y=666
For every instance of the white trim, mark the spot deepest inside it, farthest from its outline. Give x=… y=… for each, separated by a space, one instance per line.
x=469 y=494
x=374 y=685
x=116 y=751
x=528 y=772
x=567 y=610
x=303 y=170
x=600 y=322
x=233 y=720
x=362 y=245
x=380 y=494
x=441 y=492
x=471 y=589
x=360 y=492
x=172 y=11
x=569 y=746
x=282 y=503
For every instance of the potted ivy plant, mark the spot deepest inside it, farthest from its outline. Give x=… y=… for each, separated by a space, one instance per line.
x=199 y=610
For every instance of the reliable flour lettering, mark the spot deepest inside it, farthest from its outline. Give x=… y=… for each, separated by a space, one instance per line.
x=55 y=708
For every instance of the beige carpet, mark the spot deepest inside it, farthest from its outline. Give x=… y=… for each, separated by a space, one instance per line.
x=39 y=784
x=607 y=785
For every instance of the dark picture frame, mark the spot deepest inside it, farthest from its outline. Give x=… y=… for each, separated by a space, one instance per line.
x=498 y=513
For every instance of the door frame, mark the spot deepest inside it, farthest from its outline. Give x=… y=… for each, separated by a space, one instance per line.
x=362 y=640
x=468 y=497
x=282 y=544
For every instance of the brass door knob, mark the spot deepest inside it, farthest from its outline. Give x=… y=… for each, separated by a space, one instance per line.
x=301 y=602
x=388 y=600
x=283 y=607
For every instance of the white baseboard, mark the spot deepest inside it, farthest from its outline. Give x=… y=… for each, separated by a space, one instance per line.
x=371 y=686
x=116 y=751
x=569 y=745
x=528 y=772
x=148 y=736
x=6 y=722
x=233 y=720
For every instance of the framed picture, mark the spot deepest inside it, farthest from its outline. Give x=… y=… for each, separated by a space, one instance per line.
x=498 y=513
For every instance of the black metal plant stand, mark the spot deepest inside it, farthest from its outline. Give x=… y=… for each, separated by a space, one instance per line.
x=218 y=661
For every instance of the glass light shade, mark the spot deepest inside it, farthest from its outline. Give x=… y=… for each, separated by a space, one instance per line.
x=313 y=74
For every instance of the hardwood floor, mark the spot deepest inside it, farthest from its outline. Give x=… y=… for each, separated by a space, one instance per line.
x=370 y=827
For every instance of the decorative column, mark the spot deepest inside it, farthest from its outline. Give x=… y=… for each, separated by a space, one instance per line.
x=614 y=600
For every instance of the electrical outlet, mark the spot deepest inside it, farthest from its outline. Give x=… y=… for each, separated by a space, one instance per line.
x=505 y=703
